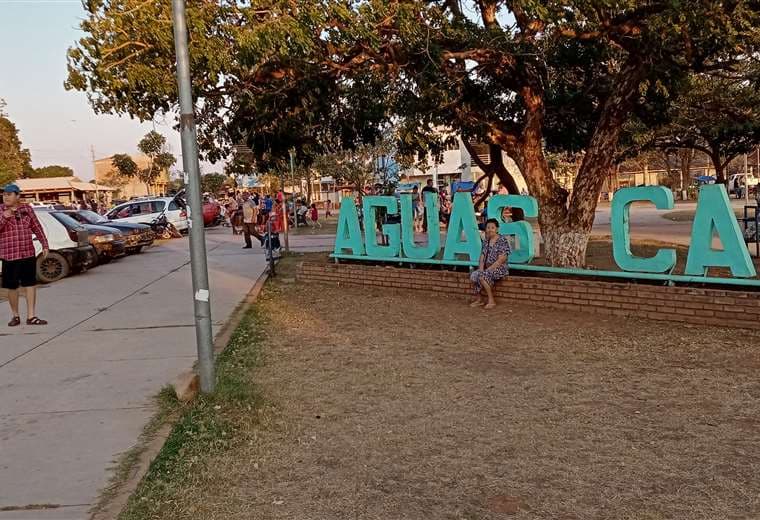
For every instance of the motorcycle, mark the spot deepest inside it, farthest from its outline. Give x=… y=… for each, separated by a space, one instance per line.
x=162 y=228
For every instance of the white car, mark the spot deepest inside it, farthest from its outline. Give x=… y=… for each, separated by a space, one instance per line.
x=147 y=210
x=736 y=183
x=70 y=249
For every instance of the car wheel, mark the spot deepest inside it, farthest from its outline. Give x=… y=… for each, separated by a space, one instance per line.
x=52 y=268
x=136 y=250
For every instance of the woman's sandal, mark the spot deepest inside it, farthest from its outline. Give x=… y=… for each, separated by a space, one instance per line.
x=15 y=322
x=476 y=304
x=36 y=321
x=489 y=306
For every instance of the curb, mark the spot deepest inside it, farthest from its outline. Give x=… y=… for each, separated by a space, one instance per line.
x=116 y=504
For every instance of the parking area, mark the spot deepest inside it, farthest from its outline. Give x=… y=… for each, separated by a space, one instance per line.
x=77 y=393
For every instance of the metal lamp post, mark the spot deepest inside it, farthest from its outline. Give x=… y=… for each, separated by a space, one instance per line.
x=201 y=297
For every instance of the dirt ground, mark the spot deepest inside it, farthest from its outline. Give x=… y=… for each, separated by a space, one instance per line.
x=405 y=407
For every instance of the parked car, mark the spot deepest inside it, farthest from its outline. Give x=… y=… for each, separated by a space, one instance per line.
x=47 y=205
x=212 y=212
x=70 y=250
x=108 y=242
x=146 y=211
x=136 y=236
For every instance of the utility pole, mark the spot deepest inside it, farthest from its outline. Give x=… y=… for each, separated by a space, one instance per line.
x=190 y=164
x=746 y=181
x=285 y=206
x=292 y=176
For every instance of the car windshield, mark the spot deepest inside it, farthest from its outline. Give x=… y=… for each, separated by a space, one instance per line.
x=91 y=217
x=66 y=220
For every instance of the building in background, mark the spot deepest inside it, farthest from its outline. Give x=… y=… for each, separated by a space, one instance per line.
x=63 y=189
x=457 y=164
x=106 y=173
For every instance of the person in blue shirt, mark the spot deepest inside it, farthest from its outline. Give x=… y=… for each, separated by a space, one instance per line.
x=268 y=202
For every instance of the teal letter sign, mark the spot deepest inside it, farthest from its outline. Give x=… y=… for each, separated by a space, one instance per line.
x=392 y=231
x=349 y=235
x=525 y=250
x=411 y=250
x=462 y=221
x=662 y=198
x=714 y=213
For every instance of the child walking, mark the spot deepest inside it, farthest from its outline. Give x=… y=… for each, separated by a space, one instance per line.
x=314 y=217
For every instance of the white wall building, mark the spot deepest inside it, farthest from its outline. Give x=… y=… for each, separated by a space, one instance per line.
x=458 y=165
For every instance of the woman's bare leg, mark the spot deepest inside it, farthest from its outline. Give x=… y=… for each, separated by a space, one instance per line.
x=489 y=292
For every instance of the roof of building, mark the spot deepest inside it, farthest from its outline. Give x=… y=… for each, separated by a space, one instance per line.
x=58 y=183
x=89 y=186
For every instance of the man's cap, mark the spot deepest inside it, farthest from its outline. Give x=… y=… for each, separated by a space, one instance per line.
x=11 y=188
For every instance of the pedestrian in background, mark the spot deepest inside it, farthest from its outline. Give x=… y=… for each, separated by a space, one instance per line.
x=314 y=217
x=17 y=224
x=427 y=189
x=250 y=217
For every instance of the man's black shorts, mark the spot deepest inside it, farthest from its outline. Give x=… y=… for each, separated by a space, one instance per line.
x=21 y=272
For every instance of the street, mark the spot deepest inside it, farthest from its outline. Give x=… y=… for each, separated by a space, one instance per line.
x=77 y=393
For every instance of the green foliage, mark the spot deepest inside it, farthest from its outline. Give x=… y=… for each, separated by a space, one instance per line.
x=125 y=165
x=326 y=75
x=15 y=161
x=213 y=182
x=718 y=115
x=54 y=170
x=153 y=146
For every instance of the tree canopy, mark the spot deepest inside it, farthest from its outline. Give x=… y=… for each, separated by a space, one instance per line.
x=15 y=161
x=716 y=115
x=526 y=76
x=54 y=170
x=153 y=146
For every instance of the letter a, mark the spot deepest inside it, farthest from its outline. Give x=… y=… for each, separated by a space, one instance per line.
x=349 y=235
x=462 y=221
x=714 y=213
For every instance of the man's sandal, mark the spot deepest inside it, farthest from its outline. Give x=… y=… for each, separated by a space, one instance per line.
x=15 y=322
x=36 y=321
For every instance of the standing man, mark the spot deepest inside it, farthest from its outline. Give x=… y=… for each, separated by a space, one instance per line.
x=17 y=224
x=427 y=189
x=250 y=216
x=268 y=203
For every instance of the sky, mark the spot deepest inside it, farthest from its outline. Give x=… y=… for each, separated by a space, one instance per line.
x=57 y=126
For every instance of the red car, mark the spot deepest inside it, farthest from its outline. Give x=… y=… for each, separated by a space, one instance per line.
x=212 y=212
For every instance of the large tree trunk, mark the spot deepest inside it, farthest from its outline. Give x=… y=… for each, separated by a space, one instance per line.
x=720 y=168
x=565 y=229
x=495 y=167
x=686 y=155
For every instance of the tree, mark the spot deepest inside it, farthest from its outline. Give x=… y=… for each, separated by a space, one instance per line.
x=213 y=182
x=54 y=170
x=15 y=161
x=125 y=166
x=717 y=115
x=527 y=76
x=153 y=145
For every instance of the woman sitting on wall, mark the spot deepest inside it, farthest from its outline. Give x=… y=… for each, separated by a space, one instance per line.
x=493 y=264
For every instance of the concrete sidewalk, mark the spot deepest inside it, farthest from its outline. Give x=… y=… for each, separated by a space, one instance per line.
x=77 y=393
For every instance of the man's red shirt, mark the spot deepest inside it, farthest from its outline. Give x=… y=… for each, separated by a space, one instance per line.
x=16 y=233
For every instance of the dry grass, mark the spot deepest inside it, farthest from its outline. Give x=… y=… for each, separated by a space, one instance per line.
x=398 y=406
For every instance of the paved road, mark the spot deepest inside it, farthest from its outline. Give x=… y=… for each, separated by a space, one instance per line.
x=77 y=393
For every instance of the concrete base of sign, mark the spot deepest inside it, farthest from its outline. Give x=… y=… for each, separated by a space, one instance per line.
x=730 y=308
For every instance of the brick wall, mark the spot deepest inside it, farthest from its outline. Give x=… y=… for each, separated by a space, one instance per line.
x=679 y=304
